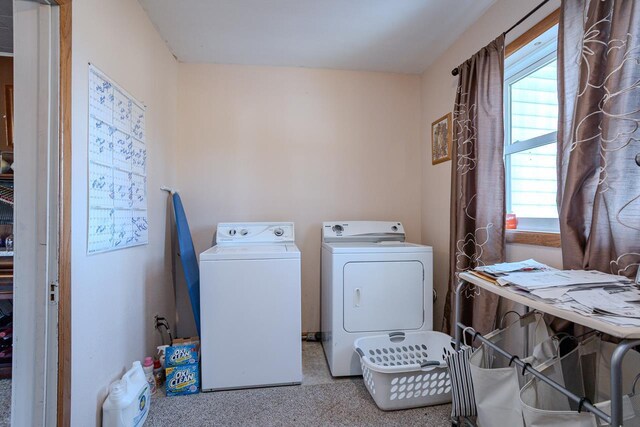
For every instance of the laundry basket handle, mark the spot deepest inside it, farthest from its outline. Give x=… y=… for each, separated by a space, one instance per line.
x=396 y=336
x=360 y=352
x=429 y=363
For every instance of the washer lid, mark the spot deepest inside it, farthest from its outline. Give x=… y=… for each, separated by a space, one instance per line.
x=377 y=247
x=250 y=252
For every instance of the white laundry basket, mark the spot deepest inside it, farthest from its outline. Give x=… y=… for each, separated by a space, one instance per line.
x=406 y=370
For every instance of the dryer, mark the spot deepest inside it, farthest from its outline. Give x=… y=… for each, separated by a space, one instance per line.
x=372 y=282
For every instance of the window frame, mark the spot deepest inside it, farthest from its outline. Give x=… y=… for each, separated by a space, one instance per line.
x=537 y=51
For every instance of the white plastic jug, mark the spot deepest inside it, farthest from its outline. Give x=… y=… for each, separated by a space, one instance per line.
x=129 y=399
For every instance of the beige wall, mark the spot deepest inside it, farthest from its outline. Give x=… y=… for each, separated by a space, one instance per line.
x=304 y=145
x=115 y=294
x=438 y=94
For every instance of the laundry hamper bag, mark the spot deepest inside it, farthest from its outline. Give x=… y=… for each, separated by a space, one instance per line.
x=496 y=384
x=406 y=370
x=585 y=371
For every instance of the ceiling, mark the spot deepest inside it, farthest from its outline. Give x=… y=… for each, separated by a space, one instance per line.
x=402 y=36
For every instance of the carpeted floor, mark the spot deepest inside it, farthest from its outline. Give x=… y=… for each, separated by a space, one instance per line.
x=5 y=403
x=320 y=401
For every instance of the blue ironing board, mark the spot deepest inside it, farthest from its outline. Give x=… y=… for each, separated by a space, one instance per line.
x=188 y=258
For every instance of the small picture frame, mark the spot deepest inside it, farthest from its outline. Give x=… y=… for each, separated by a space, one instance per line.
x=441 y=139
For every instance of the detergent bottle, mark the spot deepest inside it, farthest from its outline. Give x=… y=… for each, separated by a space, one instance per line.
x=147 y=367
x=129 y=400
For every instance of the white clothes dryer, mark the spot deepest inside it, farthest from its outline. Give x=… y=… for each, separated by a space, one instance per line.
x=373 y=282
x=250 y=307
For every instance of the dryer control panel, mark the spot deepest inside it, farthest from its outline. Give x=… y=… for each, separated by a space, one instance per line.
x=362 y=231
x=255 y=232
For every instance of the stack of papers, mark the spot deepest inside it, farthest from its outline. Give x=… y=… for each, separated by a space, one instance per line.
x=558 y=278
x=613 y=299
x=621 y=302
x=512 y=267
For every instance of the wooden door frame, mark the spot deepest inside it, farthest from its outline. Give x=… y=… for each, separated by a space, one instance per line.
x=64 y=219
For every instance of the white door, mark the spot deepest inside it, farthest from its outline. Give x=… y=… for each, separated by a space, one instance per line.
x=383 y=296
x=35 y=357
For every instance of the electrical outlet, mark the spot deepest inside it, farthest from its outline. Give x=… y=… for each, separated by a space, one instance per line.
x=155 y=320
x=160 y=322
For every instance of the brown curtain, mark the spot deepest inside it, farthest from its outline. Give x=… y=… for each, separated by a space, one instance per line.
x=477 y=182
x=599 y=134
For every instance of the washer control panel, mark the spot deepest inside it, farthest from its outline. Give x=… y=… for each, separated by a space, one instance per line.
x=362 y=231
x=255 y=232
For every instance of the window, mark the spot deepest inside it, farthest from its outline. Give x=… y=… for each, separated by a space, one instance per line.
x=531 y=120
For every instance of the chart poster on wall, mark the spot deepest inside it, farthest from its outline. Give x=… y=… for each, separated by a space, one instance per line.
x=117 y=153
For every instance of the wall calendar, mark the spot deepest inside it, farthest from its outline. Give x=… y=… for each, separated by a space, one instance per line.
x=117 y=167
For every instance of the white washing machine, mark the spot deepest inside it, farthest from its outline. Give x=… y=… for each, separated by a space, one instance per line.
x=250 y=307
x=373 y=282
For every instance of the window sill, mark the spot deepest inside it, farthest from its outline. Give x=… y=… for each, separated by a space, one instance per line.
x=537 y=238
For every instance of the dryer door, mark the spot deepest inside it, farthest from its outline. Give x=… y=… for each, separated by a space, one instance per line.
x=383 y=296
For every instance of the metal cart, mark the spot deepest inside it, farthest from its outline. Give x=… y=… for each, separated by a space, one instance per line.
x=630 y=337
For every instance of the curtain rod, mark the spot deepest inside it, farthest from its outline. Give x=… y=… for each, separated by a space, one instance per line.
x=454 y=72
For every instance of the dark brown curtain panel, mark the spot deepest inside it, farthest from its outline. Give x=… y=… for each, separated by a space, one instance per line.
x=477 y=182
x=599 y=134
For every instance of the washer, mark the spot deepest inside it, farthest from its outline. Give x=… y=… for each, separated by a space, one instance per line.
x=373 y=282
x=250 y=307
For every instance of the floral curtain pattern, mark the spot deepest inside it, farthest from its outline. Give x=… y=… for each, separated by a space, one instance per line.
x=477 y=182
x=599 y=135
